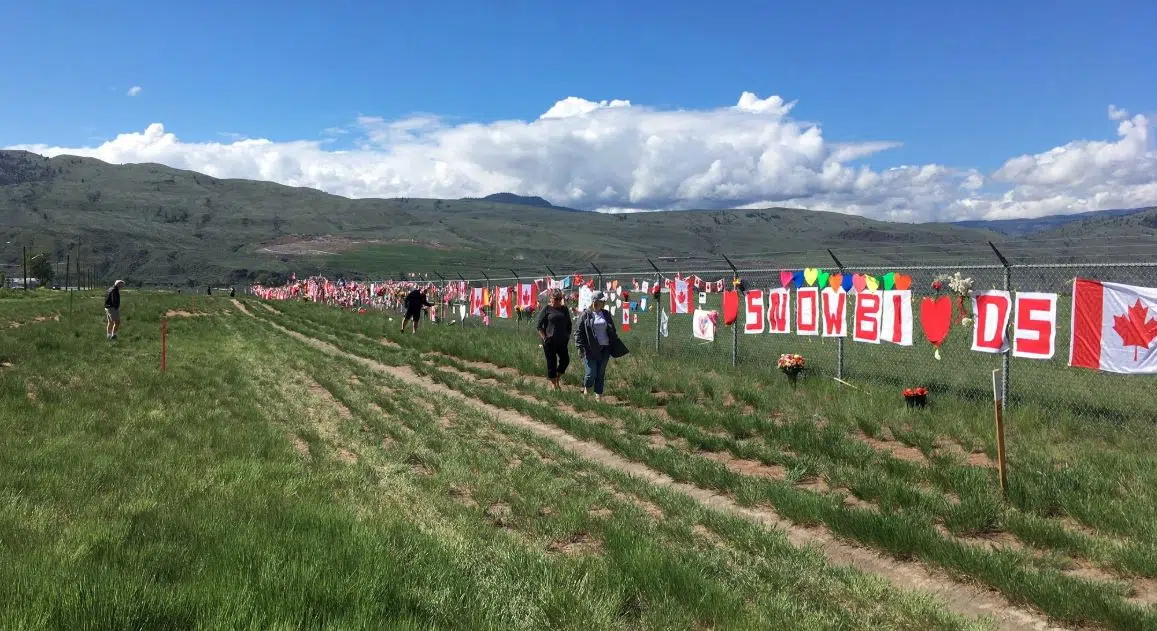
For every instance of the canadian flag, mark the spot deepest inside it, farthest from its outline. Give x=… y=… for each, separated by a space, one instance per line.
x=526 y=296
x=477 y=301
x=626 y=322
x=1113 y=327
x=680 y=297
x=503 y=302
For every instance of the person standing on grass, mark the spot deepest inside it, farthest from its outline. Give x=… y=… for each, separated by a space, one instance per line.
x=415 y=302
x=554 y=329
x=597 y=341
x=112 y=310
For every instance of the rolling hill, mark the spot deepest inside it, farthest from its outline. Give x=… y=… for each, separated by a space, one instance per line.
x=1025 y=227
x=158 y=225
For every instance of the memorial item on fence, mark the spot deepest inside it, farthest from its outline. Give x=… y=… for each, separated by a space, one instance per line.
x=935 y=320
x=1114 y=327
x=704 y=324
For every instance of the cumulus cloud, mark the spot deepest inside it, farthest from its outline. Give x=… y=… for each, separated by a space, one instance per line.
x=617 y=156
x=135 y=90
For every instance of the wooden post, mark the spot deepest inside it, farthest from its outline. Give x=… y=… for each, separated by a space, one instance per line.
x=164 y=340
x=998 y=400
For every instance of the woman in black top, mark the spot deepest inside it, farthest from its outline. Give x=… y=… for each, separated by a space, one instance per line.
x=554 y=328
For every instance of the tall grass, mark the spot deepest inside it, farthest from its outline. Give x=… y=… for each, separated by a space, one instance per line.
x=259 y=483
x=1099 y=478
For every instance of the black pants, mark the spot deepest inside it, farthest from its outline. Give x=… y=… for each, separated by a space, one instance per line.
x=557 y=358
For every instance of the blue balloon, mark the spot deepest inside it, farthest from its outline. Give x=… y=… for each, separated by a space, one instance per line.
x=847 y=282
x=797 y=277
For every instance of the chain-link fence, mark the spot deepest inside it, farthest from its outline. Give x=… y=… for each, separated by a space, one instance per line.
x=1046 y=385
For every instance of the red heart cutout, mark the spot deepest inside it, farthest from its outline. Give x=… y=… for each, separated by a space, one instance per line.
x=835 y=281
x=936 y=318
x=785 y=278
x=859 y=282
x=902 y=282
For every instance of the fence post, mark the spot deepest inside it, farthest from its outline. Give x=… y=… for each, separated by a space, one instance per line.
x=441 y=306
x=658 y=305
x=839 y=340
x=517 y=290
x=734 y=325
x=1006 y=356
x=599 y=274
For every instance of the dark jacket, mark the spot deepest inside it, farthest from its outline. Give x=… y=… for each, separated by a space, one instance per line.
x=584 y=335
x=555 y=324
x=112 y=298
x=415 y=300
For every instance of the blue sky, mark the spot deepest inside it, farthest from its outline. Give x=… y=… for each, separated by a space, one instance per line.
x=962 y=84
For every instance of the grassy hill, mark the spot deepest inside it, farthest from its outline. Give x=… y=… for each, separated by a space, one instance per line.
x=1025 y=227
x=160 y=225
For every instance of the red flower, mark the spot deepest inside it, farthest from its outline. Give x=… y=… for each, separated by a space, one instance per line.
x=936 y=285
x=908 y=392
x=921 y=391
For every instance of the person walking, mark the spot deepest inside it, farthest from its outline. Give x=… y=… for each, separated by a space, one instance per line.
x=112 y=310
x=597 y=341
x=554 y=327
x=415 y=301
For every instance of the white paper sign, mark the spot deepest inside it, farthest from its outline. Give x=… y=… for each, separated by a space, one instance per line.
x=702 y=298
x=585 y=296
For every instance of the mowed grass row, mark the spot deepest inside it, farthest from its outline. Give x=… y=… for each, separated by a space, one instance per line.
x=262 y=484
x=1107 y=525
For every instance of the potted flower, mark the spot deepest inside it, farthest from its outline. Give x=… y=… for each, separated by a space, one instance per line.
x=916 y=397
x=791 y=365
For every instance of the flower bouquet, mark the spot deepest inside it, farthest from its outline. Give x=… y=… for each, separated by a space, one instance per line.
x=916 y=397
x=961 y=288
x=791 y=365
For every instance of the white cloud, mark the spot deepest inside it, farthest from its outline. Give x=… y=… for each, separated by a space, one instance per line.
x=135 y=90
x=617 y=156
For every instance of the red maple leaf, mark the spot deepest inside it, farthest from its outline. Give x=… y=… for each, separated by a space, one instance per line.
x=1135 y=328
x=680 y=298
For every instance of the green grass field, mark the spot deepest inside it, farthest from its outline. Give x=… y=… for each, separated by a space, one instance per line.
x=313 y=468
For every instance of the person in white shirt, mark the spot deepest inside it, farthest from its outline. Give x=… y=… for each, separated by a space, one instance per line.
x=597 y=341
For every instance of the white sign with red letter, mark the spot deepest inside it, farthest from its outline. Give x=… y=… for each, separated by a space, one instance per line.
x=834 y=312
x=992 y=310
x=869 y=314
x=756 y=317
x=779 y=311
x=896 y=318
x=1035 y=326
x=807 y=311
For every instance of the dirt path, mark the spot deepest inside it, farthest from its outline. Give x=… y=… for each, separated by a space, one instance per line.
x=966 y=600
x=237 y=303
